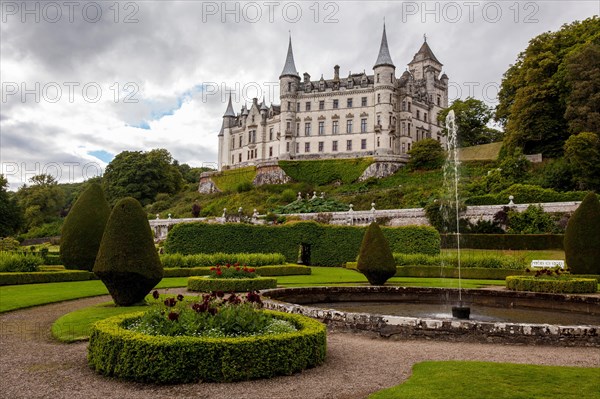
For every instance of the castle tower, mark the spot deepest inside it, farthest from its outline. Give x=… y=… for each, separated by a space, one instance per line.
x=424 y=61
x=289 y=84
x=384 y=78
x=225 y=134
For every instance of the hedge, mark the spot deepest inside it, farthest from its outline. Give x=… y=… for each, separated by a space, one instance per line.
x=330 y=245
x=212 y=259
x=482 y=261
x=266 y=271
x=477 y=273
x=116 y=352
x=318 y=173
x=505 y=241
x=45 y=277
x=553 y=285
x=204 y=284
x=526 y=194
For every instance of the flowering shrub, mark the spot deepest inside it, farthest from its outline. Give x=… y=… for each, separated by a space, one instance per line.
x=213 y=315
x=556 y=272
x=232 y=271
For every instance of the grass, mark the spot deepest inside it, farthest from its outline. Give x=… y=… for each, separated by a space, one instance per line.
x=466 y=380
x=483 y=152
x=527 y=255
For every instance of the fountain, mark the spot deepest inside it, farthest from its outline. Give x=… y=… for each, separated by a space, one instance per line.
x=451 y=181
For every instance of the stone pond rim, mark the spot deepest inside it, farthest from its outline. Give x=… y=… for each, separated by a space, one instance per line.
x=299 y=300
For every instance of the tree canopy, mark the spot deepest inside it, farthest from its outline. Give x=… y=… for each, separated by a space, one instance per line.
x=42 y=201
x=547 y=76
x=11 y=215
x=141 y=175
x=472 y=117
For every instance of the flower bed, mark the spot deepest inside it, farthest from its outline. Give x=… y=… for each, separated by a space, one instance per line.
x=564 y=285
x=120 y=347
x=208 y=284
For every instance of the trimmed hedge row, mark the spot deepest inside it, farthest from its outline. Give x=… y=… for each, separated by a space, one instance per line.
x=45 y=277
x=329 y=245
x=482 y=261
x=212 y=259
x=477 y=273
x=553 y=285
x=279 y=270
x=526 y=194
x=116 y=352
x=505 y=241
x=203 y=284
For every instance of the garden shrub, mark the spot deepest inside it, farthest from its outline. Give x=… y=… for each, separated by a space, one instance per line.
x=117 y=352
x=9 y=244
x=196 y=260
x=19 y=262
x=317 y=205
x=318 y=173
x=525 y=194
x=505 y=241
x=45 y=277
x=127 y=261
x=426 y=154
x=552 y=285
x=83 y=228
x=207 y=284
x=533 y=220
x=582 y=237
x=329 y=245
x=375 y=259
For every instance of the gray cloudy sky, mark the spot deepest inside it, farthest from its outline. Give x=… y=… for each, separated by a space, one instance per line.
x=83 y=81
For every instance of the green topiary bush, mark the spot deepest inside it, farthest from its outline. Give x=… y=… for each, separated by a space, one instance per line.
x=83 y=228
x=375 y=259
x=582 y=237
x=127 y=261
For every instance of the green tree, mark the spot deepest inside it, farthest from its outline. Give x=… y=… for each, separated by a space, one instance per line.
x=582 y=152
x=472 y=117
x=582 y=237
x=375 y=259
x=141 y=175
x=42 y=201
x=426 y=154
x=127 y=262
x=11 y=215
x=534 y=91
x=83 y=228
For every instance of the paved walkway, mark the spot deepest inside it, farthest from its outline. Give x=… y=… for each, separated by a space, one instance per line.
x=33 y=365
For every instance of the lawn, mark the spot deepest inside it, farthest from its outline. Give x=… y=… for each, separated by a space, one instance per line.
x=465 y=253
x=466 y=380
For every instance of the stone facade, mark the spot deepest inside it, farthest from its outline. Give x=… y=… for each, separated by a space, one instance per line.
x=355 y=116
x=270 y=173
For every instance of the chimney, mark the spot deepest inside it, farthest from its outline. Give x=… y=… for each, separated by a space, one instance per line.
x=306 y=77
x=336 y=73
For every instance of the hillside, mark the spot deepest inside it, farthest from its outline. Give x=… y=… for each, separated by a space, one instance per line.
x=484 y=152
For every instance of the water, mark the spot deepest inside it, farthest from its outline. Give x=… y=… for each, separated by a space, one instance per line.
x=478 y=312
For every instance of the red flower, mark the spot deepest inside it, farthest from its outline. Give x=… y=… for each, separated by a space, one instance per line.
x=252 y=270
x=237 y=268
x=219 y=294
x=170 y=302
x=219 y=272
x=212 y=269
x=155 y=294
x=173 y=316
x=212 y=311
x=180 y=297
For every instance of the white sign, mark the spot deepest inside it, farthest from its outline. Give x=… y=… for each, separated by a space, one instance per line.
x=548 y=263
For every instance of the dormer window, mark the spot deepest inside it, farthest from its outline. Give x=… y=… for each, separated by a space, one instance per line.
x=322 y=85
x=350 y=83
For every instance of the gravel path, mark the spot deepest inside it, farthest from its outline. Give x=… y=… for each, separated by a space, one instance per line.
x=33 y=365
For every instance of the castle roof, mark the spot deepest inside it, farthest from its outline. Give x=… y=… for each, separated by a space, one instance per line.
x=425 y=53
x=229 y=111
x=289 y=69
x=263 y=105
x=384 y=57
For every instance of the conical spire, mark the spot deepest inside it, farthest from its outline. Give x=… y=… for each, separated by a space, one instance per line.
x=229 y=111
x=425 y=53
x=384 y=57
x=289 y=69
x=263 y=105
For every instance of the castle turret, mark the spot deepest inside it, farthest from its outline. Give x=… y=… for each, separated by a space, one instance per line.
x=384 y=71
x=424 y=59
x=225 y=133
x=289 y=83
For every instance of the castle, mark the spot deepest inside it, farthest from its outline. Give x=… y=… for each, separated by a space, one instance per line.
x=376 y=115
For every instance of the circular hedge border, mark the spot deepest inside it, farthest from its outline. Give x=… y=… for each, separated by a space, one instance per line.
x=207 y=284
x=117 y=352
x=566 y=286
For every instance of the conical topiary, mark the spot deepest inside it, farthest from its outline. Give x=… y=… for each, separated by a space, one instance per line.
x=127 y=262
x=375 y=259
x=83 y=228
x=582 y=237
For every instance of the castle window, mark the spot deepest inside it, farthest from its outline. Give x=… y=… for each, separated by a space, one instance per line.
x=408 y=146
x=307 y=129
x=289 y=125
x=390 y=98
x=297 y=148
x=287 y=147
x=363 y=125
x=378 y=98
x=350 y=83
x=297 y=107
x=409 y=107
x=348 y=145
x=271 y=134
x=289 y=86
x=378 y=143
x=240 y=157
x=232 y=159
x=297 y=129
x=306 y=147
x=409 y=133
x=321 y=105
x=321 y=146
x=334 y=146
x=335 y=104
x=321 y=128
x=425 y=116
x=403 y=128
x=334 y=127
x=403 y=105
x=379 y=120
x=270 y=151
x=363 y=144
x=363 y=102
x=418 y=114
x=252 y=118
x=308 y=105
x=404 y=148
x=349 y=126
x=390 y=122
x=321 y=85
x=289 y=106
x=392 y=77
x=233 y=144
x=377 y=78
x=439 y=101
x=241 y=138
x=349 y=103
